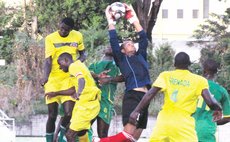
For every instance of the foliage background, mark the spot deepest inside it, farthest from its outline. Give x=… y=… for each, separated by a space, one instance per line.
x=24 y=28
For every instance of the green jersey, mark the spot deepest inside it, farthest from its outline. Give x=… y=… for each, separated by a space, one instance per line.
x=205 y=127
x=107 y=90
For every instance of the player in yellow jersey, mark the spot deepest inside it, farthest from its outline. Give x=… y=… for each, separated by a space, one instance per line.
x=181 y=90
x=87 y=96
x=64 y=40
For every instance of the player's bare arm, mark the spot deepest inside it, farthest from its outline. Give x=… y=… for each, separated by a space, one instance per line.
x=82 y=56
x=213 y=104
x=68 y=92
x=47 y=70
x=94 y=75
x=81 y=86
x=115 y=79
x=223 y=121
x=210 y=101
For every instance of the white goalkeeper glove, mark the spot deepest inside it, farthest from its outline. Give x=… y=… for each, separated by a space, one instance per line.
x=109 y=16
x=130 y=14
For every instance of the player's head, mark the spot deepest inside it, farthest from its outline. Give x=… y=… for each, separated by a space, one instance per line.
x=128 y=48
x=182 y=61
x=108 y=51
x=210 y=67
x=66 y=25
x=64 y=60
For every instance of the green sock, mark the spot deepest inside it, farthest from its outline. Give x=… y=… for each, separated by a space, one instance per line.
x=77 y=139
x=49 y=137
x=90 y=134
x=62 y=133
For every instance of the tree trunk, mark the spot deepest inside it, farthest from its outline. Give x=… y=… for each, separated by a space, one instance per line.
x=147 y=11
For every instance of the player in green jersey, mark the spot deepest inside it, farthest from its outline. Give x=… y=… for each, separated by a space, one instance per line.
x=205 y=126
x=106 y=73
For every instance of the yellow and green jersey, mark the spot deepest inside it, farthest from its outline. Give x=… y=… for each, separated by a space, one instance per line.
x=181 y=89
x=55 y=45
x=205 y=127
x=107 y=90
x=90 y=91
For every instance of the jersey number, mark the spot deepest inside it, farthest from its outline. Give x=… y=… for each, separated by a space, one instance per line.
x=174 y=96
x=201 y=103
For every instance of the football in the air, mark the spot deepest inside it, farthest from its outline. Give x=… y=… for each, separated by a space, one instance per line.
x=117 y=10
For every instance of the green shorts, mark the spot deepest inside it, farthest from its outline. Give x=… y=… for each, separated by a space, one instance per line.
x=206 y=131
x=106 y=111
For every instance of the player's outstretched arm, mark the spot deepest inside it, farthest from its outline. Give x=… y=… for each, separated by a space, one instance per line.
x=106 y=80
x=213 y=104
x=67 y=92
x=223 y=121
x=132 y=17
x=210 y=101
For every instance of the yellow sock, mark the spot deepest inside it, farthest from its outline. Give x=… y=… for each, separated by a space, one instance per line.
x=84 y=138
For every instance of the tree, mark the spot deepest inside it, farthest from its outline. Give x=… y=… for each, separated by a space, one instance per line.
x=42 y=17
x=214 y=37
x=10 y=22
x=147 y=11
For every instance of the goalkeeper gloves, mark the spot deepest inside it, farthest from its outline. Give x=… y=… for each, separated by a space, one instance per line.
x=130 y=14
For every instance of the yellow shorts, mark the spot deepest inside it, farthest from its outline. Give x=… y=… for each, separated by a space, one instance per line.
x=174 y=126
x=83 y=113
x=58 y=83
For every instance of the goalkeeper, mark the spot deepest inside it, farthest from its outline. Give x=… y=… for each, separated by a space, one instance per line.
x=134 y=68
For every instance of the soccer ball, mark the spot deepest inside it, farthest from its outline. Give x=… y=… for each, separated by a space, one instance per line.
x=117 y=10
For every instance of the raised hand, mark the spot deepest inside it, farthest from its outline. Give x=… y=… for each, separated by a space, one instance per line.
x=109 y=16
x=130 y=14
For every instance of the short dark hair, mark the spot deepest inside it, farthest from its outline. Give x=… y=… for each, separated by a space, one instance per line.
x=182 y=60
x=211 y=66
x=65 y=56
x=68 y=21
